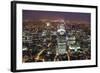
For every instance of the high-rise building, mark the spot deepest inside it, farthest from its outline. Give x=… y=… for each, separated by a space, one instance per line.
x=61 y=40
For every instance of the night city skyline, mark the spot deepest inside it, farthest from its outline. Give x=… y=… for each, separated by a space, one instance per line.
x=56 y=36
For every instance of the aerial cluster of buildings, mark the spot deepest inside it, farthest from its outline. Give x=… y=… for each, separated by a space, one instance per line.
x=56 y=40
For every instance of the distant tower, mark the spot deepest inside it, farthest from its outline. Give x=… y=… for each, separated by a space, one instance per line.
x=61 y=40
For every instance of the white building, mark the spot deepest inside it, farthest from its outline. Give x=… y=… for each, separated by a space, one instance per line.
x=61 y=40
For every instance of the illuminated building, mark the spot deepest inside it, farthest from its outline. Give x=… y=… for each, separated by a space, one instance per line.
x=61 y=40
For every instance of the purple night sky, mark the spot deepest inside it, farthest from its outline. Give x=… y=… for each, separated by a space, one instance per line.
x=37 y=15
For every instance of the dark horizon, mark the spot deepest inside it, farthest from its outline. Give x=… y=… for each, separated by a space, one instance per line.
x=37 y=15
